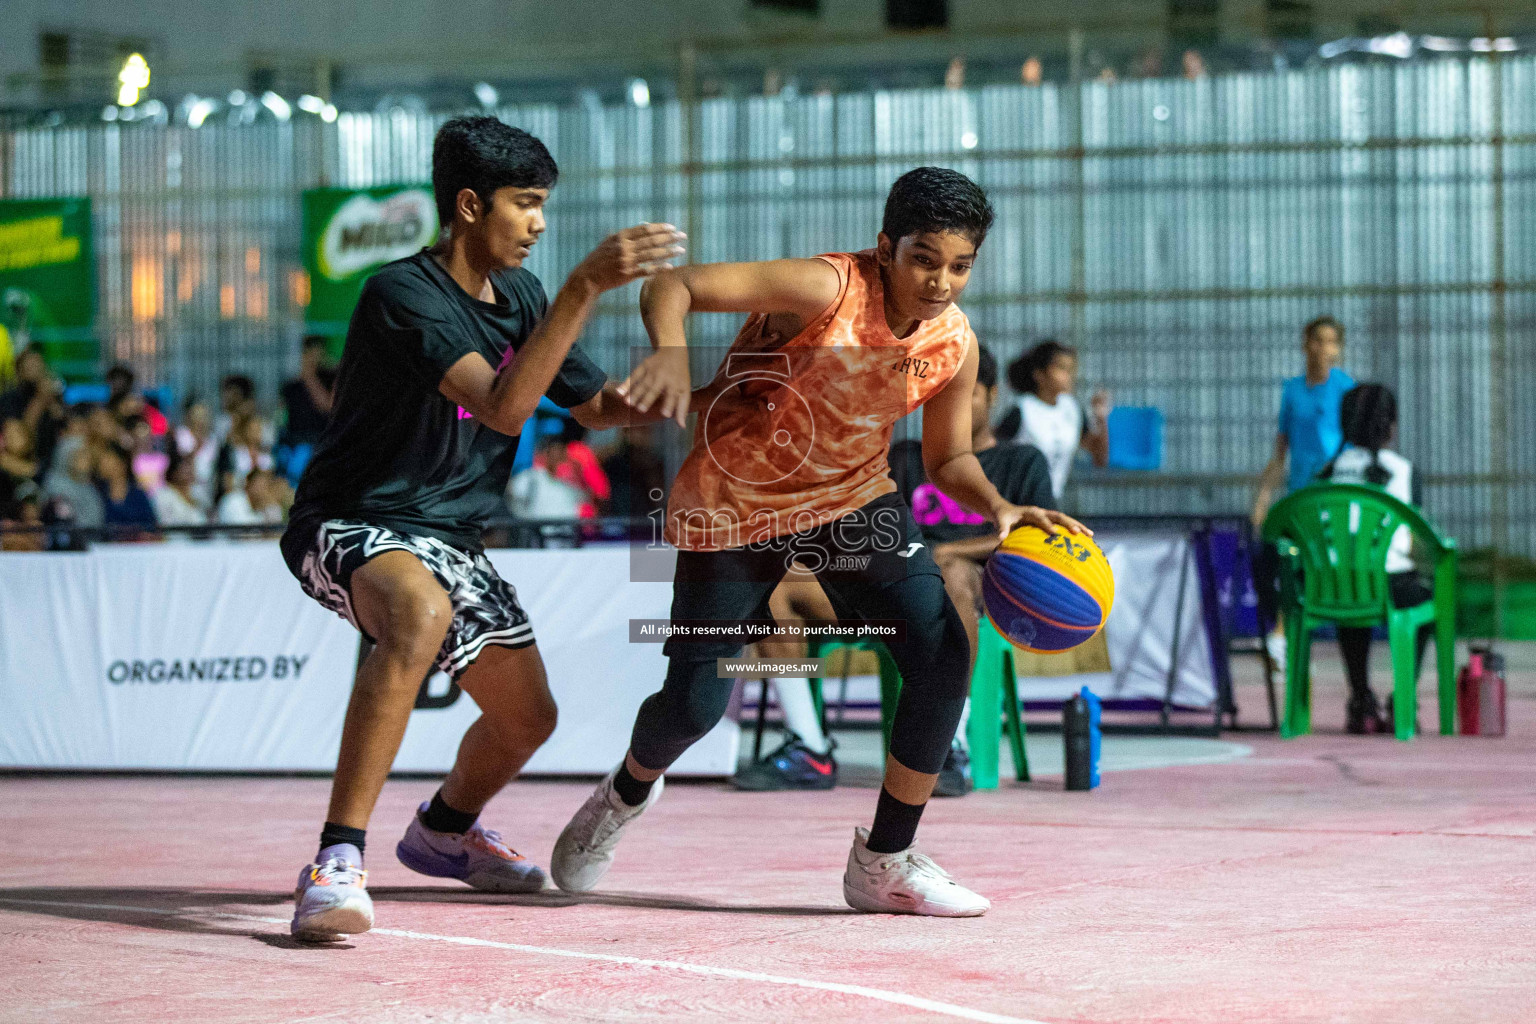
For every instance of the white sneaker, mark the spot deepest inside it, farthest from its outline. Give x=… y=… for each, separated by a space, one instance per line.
x=908 y=882
x=584 y=852
x=1274 y=644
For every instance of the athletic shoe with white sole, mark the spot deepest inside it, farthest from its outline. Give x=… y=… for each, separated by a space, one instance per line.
x=478 y=857
x=584 y=851
x=332 y=901
x=908 y=882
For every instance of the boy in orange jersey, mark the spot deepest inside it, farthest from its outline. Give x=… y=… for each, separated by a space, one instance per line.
x=789 y=466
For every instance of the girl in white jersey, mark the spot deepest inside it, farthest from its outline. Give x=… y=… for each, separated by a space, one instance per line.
x=1368 y=416
x=1047 y=415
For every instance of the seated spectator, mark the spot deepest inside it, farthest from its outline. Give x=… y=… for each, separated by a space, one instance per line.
x=72 y=492
x=148 y=461
x=126 y=509
x=37 y=399
x=245 y=449
x=195 y=439
x=259 y=502
x=177 y=503
x=306 y=407
x=23 y=510
x=72 y=438
x=17 y=464
x=536 y=493
x=568 y=459
x=1368 y=418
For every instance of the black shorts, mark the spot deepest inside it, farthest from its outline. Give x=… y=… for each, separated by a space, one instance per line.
x=485 y=606
x=876 y=546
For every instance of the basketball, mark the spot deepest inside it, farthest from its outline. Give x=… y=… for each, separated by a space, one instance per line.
x=1048 y=592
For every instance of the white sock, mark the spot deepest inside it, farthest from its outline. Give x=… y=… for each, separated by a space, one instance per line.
x=800 y=713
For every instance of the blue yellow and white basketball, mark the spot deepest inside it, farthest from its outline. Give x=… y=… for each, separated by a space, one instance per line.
x=1048 y=592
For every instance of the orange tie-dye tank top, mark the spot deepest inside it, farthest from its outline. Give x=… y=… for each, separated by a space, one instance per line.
x=797 y=432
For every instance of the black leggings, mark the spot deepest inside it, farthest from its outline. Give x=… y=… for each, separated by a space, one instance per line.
x=1407 y=589
x=734 y=585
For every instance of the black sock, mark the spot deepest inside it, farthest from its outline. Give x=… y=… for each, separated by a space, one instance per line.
x=442 y=818
x=333 y=834
x=630 y=789
x=895 y=824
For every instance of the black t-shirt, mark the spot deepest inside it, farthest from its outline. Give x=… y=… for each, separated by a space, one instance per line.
x=1018 y=471
x=395 y=452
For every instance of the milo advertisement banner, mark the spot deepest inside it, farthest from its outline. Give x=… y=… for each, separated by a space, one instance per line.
x=350 y=233
x=47 y=282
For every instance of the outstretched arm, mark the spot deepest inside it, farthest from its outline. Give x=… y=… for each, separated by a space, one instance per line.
x=505 y=400
x=800 y=289
x=954 y=469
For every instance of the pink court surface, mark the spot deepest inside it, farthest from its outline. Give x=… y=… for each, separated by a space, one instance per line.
x=1324 y=879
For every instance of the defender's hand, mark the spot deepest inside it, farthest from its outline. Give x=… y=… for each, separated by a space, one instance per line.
x=1011 y=517
x=662 y=380
x=629 y=255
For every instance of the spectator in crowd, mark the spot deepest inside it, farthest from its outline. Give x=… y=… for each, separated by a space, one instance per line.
x=18 y=467
x=568 y=459
x=148 y=461
x=195 y=439
x=259 y=502
x=126 y=509
x=120 y=381
x=72 y=492
x=1368 y=421
x=24 y=509
x=1308 y=436
x=306 y=407
x=637 y=476
x=1048 y=416
x=536 y=493
x=177 y=503
x=37 y=399
x=246 y=448
x=237 y=400
x=102 y=431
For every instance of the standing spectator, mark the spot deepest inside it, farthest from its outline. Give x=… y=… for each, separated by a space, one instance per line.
x=177 y=503
x=1048 y=416
x=637 y=476
x=72 y=491
x=195 y=439
x=1307 y=438
x=245 y=449
x=37 y=399
x=258 y=503
x=126 y=508
x=307 y=407
x=237 y=399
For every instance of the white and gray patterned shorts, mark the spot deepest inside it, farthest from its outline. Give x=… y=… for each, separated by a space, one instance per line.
x=485 y=606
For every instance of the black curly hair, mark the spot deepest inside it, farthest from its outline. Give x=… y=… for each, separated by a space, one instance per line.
x=936 y=199
x=484 y=154
x=1368 y=415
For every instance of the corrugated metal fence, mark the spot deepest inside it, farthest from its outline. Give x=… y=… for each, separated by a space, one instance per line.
x=1179 y=232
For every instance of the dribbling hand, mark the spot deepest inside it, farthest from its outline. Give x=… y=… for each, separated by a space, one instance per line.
x=1011 y=517
x=630 y=255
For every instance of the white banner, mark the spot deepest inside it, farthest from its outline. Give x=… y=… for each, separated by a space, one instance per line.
x=209 y=657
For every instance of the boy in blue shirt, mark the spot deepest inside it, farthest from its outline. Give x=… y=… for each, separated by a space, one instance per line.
x=1309 y=435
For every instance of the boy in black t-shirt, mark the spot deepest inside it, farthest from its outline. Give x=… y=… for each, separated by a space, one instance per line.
x=447 y=356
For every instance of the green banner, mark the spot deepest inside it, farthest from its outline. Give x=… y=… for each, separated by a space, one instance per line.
x=48 y=282
x=350 y=233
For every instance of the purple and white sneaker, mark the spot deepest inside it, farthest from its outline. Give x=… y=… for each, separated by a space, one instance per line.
x=332 y=900
x=479 y=857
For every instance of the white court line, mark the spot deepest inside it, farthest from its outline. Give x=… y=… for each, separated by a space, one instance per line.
x=880 y=994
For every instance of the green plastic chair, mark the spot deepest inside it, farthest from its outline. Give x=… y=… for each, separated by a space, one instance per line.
x=993 y=685
x=1333 y=540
